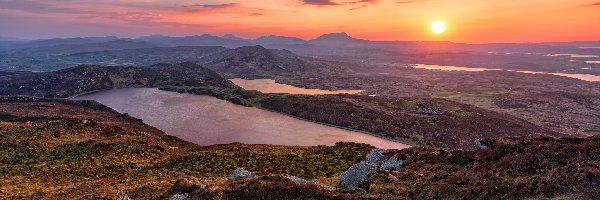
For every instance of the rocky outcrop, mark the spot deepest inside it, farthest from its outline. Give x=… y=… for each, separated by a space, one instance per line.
x=429 y=108
x=241 y=173
x=121 y=195
x=180 y=197
x=355 y=177
x=478 y=145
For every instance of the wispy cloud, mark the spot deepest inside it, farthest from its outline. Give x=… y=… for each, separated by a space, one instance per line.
x=360 y=3
x=205 y=7
x=594 y=4
x=413 y=2
x=39 y=7
x=320 y=2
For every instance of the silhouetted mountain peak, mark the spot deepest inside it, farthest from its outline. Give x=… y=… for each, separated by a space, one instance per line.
x=232 y=37
x=337 y=39
x=195 y=40
x=274 y=39
x=256 y=48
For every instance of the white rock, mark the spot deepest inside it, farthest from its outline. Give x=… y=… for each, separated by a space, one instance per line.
x=180 y=197
x=241 y=173
x=121 y=195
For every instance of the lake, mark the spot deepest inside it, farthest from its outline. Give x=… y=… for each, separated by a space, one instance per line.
x=572 y=55
x=450 y=68
x=585 y=77
x=270 y=86
x=206 y=120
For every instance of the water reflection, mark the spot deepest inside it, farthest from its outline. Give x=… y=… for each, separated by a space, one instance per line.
x=585 y=77
x=450 y=68
x=573 y=55
x=270 y=86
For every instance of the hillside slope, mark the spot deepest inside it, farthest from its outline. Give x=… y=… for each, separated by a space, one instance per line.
x=259 y=61
x=62 y=149
x=88 y=78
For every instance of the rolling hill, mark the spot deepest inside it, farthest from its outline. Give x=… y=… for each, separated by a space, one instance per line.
x=88 y=78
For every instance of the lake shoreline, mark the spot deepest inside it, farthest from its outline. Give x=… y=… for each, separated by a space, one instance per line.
x=245 y=130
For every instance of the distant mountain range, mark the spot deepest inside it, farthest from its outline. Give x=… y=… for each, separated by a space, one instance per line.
x=228 y=41
x=60 y=53
x=231 y=41
x=10 y=39
x=196 y=40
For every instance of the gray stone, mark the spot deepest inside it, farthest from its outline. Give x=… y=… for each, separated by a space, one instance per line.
x=241 y=173
x=479 y=145
x=392 y=164
x=354 y=177
x=376 y=155
x=297 y=180
x=430 y=109
x=180 y=197
x=121 y=195
x=393 y=178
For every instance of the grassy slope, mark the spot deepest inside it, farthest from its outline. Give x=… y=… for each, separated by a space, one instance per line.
x=58 y=149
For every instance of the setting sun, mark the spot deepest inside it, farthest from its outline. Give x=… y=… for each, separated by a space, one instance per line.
x=438 y=27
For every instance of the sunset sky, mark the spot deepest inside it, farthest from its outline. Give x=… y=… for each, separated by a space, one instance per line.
x=472 y=21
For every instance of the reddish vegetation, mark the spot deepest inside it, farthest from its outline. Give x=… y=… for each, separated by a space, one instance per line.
x=61 y=149
x=430 y=122
x=512 y=168
x=23 y=109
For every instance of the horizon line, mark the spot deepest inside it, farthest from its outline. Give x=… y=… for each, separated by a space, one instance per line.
x=304 y=39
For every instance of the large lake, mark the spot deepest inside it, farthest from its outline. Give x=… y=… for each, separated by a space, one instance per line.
x=585 y=77
x=206 y=120
x=270 y=86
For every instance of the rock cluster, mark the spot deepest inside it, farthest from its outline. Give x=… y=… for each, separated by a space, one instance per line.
x=121 y=195
x=355 y=176
x=430 y=109
x=241 y=173
x=179 y=197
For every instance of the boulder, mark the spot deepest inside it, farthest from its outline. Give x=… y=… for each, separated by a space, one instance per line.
x=241 y=173
x=180 y=197
x=479 y=145
x=429 y=108
x=391 y=164
x=121 y=195
x=355 y=177
x=375 y=156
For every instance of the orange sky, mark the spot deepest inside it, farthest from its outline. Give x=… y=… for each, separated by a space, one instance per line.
x=472 y=21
